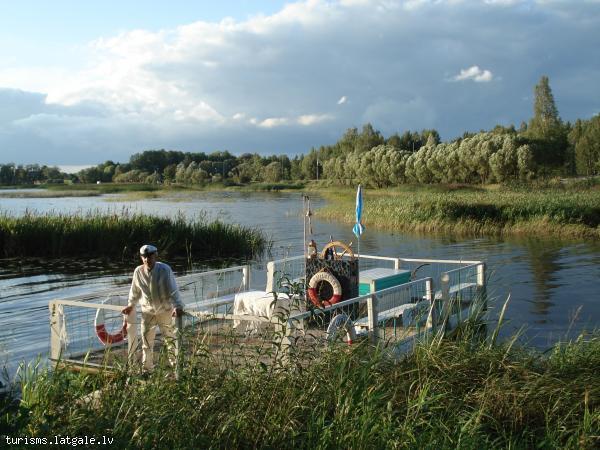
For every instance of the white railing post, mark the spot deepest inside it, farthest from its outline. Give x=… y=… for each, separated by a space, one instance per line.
x=396 y=263
x=56 y=320
x=429 y=295
x=481 y=287
x=270 y=276
x=481 y=275
x=285 y=346
x=445 y=307
x=246 y=274
x=372 y=312
x=178 y=345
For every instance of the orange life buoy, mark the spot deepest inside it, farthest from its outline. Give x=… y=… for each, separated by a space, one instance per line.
x=313 y=294
x=105 y=337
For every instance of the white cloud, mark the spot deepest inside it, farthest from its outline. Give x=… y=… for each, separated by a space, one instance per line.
x=474 y=73
x=267 y=83
x=504 y=2
x=272 y=122
x=312 y=119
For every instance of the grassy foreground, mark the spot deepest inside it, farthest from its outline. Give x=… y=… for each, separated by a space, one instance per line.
x=474 y=211
x=445 y=395
x=120 y=235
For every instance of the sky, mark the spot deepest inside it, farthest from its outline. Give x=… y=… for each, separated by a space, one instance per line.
x=86 y=82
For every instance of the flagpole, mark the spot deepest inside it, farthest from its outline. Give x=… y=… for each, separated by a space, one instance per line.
x=358 y=226
x=358 y=246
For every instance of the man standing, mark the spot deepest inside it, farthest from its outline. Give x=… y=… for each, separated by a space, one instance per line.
x=154 y=287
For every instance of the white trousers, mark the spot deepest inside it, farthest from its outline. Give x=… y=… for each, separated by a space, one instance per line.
x=164 y=320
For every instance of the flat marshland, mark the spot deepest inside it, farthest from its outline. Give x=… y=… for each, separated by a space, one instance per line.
x=568 y=213
x=449 y=394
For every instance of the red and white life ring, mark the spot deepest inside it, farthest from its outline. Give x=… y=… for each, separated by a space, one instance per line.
x=338 y=323
x=313 y=294
x=105 y=337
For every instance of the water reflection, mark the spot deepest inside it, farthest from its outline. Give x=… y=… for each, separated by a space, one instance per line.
x=545 y=265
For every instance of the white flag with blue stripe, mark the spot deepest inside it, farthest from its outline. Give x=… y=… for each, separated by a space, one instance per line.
x=358 y=228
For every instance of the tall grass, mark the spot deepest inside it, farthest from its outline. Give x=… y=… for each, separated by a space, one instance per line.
x=454 y=394
x=121 y=234
x=555 y=212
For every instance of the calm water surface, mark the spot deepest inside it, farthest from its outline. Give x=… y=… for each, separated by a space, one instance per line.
x=554 y=285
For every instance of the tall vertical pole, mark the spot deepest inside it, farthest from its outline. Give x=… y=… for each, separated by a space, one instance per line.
x=178 y=346
x=304 y=224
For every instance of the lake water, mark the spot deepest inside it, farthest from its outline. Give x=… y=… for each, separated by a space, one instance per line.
x=554 y=285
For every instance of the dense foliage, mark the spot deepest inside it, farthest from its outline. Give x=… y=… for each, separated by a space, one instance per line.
x=12 y=174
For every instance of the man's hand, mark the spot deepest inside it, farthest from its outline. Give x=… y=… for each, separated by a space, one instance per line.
x=177 y=312
x=127 y=310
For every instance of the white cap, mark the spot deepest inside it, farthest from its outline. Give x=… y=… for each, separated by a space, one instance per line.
x=148 y=249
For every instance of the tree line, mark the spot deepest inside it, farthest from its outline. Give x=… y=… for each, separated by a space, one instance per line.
x=545 y=146
x=13 y=174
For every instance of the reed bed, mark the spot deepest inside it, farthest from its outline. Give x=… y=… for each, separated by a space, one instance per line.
x=552 y=212
x=104 y=188
x=119 y=235
x=35 y=193
x=449 y=394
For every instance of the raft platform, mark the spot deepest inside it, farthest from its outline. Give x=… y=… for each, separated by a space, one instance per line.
x=229 y=321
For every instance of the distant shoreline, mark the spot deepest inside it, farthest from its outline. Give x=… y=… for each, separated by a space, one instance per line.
x=563 y=211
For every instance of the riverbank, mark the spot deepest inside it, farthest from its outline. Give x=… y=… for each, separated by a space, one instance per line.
x=120 y=235
x=136 y=191
x=445 y=395
x=568 y=210
x=467 y=210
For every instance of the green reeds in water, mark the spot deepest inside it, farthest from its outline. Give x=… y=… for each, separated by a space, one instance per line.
x=460 y=393
x=121 y=234
x=552 y=212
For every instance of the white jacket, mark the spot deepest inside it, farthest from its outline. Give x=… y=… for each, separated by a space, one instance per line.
x=156 y=291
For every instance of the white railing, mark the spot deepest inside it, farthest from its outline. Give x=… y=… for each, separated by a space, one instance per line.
x=422 y=304
x=72 y=320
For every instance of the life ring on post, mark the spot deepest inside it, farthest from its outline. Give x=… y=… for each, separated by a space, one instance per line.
x=314 y=289
x=103 y=334
x=341 y=322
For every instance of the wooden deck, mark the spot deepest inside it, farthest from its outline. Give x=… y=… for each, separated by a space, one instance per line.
x=230 y=347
